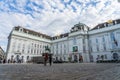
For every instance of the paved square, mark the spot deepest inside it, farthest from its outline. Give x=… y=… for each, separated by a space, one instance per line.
x=67 y=71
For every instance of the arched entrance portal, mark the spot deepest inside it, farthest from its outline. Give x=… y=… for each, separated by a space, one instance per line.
x=80 y=58
x=75 y=58
x=17 y=58
x=115 y=56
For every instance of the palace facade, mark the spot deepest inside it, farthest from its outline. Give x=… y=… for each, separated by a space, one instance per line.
x=81 y=44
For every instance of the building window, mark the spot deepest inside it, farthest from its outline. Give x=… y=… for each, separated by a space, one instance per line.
x=105 y=25
x=104 y=46
x=37 y=51
x=97 y=45
x=31 y=50
x=98 y=57
x=27 y=57
x=21 y=30
x=12 y=57
x=28 y=51
x=105 y=56
x=84 y=47
x=91 y=45
x=18 y=47
x=23 y=48
x=28 y=48
x=115 y=22
x=13 y=47
x=34 y=51
x=74 y=41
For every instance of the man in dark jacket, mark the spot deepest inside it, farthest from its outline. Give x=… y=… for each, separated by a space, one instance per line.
x=50 y=59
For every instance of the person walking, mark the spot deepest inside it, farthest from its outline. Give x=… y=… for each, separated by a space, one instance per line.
x=50 y=59
x=4 y=61
x=45 y=59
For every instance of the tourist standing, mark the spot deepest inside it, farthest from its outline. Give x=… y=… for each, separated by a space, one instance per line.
x=45 y=58
x=50 y=59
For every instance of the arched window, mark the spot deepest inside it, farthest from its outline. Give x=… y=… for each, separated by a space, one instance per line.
x=115 y=56
x=21 y=30
x=115 y=22
x=27 y=57
x=12 y=57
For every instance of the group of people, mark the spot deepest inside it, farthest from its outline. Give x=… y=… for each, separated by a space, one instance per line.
x=2 y=61
x=46 y=58
x=15 y=61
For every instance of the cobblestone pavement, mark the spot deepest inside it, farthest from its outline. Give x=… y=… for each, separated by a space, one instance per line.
x=66 y=71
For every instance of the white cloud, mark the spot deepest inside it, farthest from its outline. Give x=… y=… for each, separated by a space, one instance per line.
x=66 y=1
x=51 y=20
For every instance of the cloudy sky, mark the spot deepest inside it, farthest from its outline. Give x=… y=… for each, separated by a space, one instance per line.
x=54 y=16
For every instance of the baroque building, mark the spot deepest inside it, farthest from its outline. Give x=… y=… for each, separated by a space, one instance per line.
x=104 y=41
x=23 y=44
x=81 y=44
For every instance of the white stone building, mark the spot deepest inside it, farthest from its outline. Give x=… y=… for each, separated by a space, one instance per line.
x=80 y=44
x=104 y=41
x=2 y=54
x=24 y=44
x=72 y=45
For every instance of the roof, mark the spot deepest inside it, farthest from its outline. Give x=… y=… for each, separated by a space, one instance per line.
x=79 y=26
x=32 y=32
x=60 y=36
x=106 y=24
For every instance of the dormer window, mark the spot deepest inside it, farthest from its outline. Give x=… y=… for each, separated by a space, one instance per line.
x=85 y=28
x=115 y=22
x=82 y=28
x=75 y=28
x=72 y=30
x=21 y=29
x=98 y=27
x=105 y=25
x=27 y=32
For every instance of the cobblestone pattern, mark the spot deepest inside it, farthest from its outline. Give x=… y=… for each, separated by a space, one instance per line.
x=68 y=71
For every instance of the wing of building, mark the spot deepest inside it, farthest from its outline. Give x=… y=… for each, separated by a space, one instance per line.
x=79 y=45
x=2 y=54
x=104 y=41
x=24 y=44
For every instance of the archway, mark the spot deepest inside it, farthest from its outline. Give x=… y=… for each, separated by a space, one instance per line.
x=75 y=58
x=115 y=56
x=91 y=58
x=17 y=58
x=80 y=58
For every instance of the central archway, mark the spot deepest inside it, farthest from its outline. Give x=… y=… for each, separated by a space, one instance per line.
x=115 y=56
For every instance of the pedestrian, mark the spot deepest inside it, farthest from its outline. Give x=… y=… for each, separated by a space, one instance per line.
x=4 y=61
x=50 y=59
x=45 y=58
x=8 y=60
x=81 y=59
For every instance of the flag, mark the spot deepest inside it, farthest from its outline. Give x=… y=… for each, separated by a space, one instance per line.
x=115 y=42
x=113 y=39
